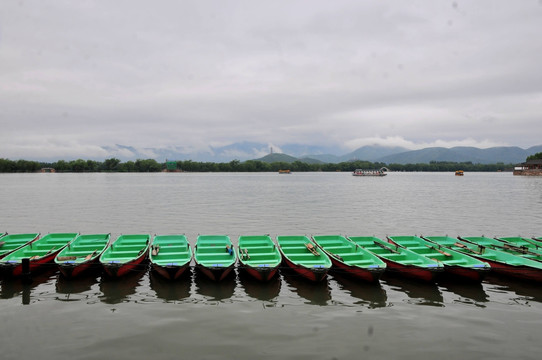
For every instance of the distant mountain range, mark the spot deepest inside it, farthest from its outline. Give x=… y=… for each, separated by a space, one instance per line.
x=313 y=154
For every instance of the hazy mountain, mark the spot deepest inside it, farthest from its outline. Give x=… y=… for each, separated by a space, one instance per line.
x=278 y=157
x=461 y=154
x=372 y=153
x=250 y=150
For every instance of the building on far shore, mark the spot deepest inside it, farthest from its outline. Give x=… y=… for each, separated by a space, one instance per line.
x=531 y=167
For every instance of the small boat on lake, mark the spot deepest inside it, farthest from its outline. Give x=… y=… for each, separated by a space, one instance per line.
x=39 y=252
x=399 y=260
x=459 y=173
x=170 y=255
x=259 y=256
x=501 y=262
x=513 y=245
x=82 y=254
x=125 y=254
x=372 y=172
x=456 y=263
x=214 y=256
x=304 y=257
x=11 y=242
x=350 y=258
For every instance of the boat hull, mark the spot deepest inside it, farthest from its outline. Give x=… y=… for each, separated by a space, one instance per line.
x=74 y=270
x=412 y=271
x=370 y=275
x=215 y=273
x=312 y=274
x=115 y=269
x=263 y=274
x=518 y=272
x=170 y=272
x=16 y=269
x=466 y=273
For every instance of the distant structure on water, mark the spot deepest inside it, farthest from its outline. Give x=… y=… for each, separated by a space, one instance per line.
x=47 y=170
x=529 y=168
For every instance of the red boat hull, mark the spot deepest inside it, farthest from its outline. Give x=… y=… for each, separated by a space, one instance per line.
x=370 y=275
x=411 y=271
x=16 y=269
x=120 y=269
x=519 y=272
x=216 y=273
x=470 y=274
x=260 y=274
x=316 y=274
x=170 y=272
x=74 y=270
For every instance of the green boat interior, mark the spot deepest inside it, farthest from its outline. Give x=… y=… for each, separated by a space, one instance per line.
x=49 y=243
x=82 y=246
x=390 y=251
x=171 y=249
x=258 y=251
x=214 y=251
x=126 y=248
x=294 y=248
x=436 y=251
x=347 y=251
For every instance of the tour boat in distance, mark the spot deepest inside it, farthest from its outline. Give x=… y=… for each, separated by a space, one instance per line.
x=362 y=172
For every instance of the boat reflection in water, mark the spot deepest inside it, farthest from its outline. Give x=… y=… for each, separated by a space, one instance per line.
x=421 y=292
x=13 y=286
x=318 y=293
x=215 y=290
x=69 y=286
x=524 y=289
x=259 y=290
x=171 y=290
x=371 y=295
x=469 y=291
x=116 y=290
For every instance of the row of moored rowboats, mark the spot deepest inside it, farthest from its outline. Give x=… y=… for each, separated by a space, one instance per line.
x=363 y=257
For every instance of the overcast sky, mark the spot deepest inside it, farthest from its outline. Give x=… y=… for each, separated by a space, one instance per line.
x=78 y=75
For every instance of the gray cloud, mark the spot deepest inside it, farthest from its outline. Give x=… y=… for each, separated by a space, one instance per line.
x=75 y=76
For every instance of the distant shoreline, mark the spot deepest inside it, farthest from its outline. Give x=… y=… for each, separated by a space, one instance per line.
x=151 y=165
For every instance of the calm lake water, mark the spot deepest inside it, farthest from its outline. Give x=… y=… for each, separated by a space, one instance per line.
x=143 y=315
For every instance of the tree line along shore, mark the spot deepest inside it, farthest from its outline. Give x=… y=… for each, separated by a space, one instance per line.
x=151 y=165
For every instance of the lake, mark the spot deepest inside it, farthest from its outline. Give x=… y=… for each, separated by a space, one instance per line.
x=142 y=315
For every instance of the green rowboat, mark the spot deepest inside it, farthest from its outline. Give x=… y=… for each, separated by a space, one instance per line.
x=529 y=252
x=214 y=256
x=11 y=242
x=125 y=254
x=39 y=252
x=456 y=264
x=170 y=255
x=258 y=256
x=501 y=262
x=399 y=260
x=304 y=257
x=350 y=258
x=82 y=254
x=523 y=243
